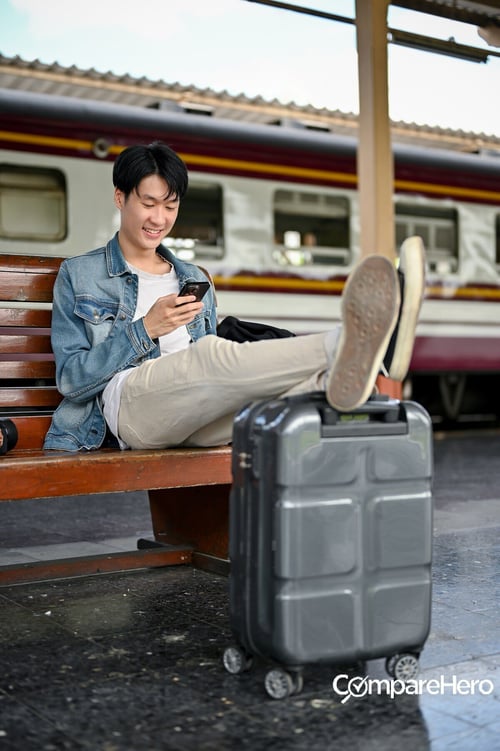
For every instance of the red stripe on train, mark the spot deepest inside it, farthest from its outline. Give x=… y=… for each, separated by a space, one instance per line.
x=448 y=353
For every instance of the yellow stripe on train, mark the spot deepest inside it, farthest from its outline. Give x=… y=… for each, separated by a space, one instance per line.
x=280 y=284
x=258 y=167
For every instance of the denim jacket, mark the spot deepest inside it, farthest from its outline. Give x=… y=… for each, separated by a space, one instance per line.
x=94 y=337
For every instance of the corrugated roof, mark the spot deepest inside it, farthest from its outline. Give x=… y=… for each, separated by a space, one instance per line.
x=55 y=79
x=478 y=13
x=91 y=84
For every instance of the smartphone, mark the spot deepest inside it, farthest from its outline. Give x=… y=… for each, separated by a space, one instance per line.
x=198 y=289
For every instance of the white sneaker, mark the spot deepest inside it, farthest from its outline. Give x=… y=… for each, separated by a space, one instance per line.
x=370 y=307
x=412 y=278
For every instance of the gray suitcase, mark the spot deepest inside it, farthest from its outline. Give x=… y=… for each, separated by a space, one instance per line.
x=330 y=538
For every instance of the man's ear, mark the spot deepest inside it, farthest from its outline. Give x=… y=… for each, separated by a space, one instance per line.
x=119 y=198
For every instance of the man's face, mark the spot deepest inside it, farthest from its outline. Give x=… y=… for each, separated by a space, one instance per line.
x=147 y=215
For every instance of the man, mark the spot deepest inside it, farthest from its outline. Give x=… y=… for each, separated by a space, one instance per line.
x=135 y=360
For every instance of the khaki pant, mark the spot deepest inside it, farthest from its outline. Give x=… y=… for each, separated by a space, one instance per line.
x=191 y=397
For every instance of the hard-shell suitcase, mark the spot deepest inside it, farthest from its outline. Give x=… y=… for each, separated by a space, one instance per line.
x=330 y=539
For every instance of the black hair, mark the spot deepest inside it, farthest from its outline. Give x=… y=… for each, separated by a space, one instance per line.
x=137 y=162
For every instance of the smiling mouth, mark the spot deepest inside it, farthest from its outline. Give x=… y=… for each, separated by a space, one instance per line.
x=152 y=232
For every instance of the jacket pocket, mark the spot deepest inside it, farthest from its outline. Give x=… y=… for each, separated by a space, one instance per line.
x=99 y=316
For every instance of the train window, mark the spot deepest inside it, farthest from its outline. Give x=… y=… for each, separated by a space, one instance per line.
x=438 y=228
x=311 y=228
x=198 y=231
x=32 y=203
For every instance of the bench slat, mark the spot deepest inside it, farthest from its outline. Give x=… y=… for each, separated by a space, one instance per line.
x=40 y=474
x=22 y=343
x=27 y=317
x=21 y=287
x=29 y=396
x=13 y=262
x=14 y=370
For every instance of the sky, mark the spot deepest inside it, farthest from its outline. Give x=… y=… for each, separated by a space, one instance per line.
x=245 y=48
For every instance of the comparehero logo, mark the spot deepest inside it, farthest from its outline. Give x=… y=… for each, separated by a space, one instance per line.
x=358 y=687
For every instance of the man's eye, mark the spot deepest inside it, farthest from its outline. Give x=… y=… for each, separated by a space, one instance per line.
x=148 y=205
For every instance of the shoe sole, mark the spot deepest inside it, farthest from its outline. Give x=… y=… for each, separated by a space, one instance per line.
x=412 y=265
x=370 y=305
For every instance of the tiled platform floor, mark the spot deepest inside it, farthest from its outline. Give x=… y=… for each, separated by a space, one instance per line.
x=132 y=661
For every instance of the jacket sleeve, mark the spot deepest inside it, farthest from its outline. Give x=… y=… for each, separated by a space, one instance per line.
x=84 y=368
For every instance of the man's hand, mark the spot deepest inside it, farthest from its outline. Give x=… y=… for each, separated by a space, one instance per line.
x=170 y=312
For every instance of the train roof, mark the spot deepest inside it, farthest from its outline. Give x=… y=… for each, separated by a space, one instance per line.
x=94 y=114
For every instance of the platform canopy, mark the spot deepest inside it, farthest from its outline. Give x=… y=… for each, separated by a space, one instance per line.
x=375 y=163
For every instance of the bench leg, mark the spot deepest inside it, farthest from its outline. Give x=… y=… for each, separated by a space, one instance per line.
x=197 y=516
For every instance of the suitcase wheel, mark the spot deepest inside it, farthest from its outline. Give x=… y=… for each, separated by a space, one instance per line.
x=236 y=661
x=279 y=683
x=403 y=667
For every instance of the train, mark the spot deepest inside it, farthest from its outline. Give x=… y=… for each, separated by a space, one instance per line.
x=272 y=212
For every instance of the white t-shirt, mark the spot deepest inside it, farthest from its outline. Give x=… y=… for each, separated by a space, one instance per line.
x=151 y=287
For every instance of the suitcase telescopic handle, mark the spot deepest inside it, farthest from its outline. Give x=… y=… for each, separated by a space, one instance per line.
x=380 y=415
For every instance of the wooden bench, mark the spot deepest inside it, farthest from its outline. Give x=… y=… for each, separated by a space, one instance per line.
x=188 y=488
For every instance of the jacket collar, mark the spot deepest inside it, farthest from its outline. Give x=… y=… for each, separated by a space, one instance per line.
x=115 y=259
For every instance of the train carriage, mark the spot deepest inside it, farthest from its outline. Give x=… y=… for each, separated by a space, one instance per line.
x=273 y=213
